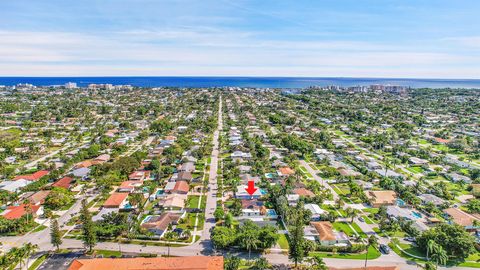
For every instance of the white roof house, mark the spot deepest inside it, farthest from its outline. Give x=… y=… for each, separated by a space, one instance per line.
x=13 y=186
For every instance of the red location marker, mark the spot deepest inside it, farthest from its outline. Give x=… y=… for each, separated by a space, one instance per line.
x=251 y=187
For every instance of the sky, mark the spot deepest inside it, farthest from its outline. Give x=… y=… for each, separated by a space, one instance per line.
x=312 y=38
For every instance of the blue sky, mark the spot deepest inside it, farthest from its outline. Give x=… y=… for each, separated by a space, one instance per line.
x=345 y=38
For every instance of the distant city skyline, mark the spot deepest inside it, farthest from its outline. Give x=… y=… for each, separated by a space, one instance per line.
x=349 y=38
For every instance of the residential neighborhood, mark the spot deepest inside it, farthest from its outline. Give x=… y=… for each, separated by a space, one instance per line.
x=244 y=178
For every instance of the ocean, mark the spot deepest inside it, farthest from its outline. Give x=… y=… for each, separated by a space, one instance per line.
x=260 y=82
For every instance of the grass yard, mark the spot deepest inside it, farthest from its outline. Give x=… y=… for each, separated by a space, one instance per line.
x=343 y=227
x=108 y=253
x=283 y=241
x=38 y=262
x=373 y=253
x=193 y=202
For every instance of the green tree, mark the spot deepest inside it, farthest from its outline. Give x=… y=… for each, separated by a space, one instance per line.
x=219 y=213
x=89 y=236
x=296 y=243
x=231 y=263
x=55 y=236
x=372 y=241
x=261 y=264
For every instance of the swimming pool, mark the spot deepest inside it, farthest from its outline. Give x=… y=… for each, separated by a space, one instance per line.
x=263 y=192
x=160 y=192
x=271 y=212
x=416 y=214
x=400 y=202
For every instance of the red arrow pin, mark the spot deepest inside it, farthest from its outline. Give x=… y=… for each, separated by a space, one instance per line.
x=251 y=187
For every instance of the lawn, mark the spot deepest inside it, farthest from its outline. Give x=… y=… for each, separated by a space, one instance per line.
x=193 y=202
x=38 y=262
x=283 y=241
x=415 y=169
x=343 y=227
x=108 y=253
x=373 y=253
x=368 y=220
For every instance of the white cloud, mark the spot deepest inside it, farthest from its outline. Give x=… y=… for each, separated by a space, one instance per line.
x=212 y=51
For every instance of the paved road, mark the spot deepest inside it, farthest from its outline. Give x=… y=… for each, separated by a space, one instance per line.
x=42 y=238
x=321 y=181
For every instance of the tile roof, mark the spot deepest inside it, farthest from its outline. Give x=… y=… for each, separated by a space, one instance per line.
x=303 y=192
x=64 y=182
x=286 y=171
x=160 y=263
x=325 y=230
x=115 y=199
x=181 y=186
x=161 y=222
x=16 y=212
x=32 y=177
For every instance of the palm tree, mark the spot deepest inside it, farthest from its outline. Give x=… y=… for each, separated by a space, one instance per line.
x=372 y=241
x=169 y=236
x=430 y=247
x=439 y=255
x=318 y=263
x=429 y=266
x=29 y=250
x=250 y=241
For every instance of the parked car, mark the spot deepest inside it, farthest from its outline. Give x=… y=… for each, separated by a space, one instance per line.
x=361 y=219
x=409 y=239
x=384 y=249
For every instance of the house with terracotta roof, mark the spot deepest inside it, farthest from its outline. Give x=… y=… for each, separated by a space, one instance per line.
x=64 y=182
x=303 y=192
x=324 y=233
x=32 y=177
x=181 y=187
x=461 y=218
x=18 y=211
x=116 y=200
x=378 y=198
x=158 y=263
x=285 y=171
x=159 y=224
x=84 y=164
x=130 y=186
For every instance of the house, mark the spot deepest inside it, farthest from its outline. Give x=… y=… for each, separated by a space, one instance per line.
x=139 y=175
x=455 y=177
x=158 y=263
x=253 y=208
x=184 y=176
x=373 y=165
x=243 y=194
x=101 y=159
x=417 y=161
x=64 y=182
x=173 y=201
x=181 y=187
x=292 y=199
x=116 y=200
x=315 y=210
x=378 y=198
x=430 y=198
x=84 y=164
x=18 y=211
x=130 y=186
x=303 y=192
x=326 y=236
x=38 y=197
x=81 y=172
x=14 y=186
x=159 y=224
x=285 y=171
x=32 y=177
x=187 y=167
x=461 y=218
